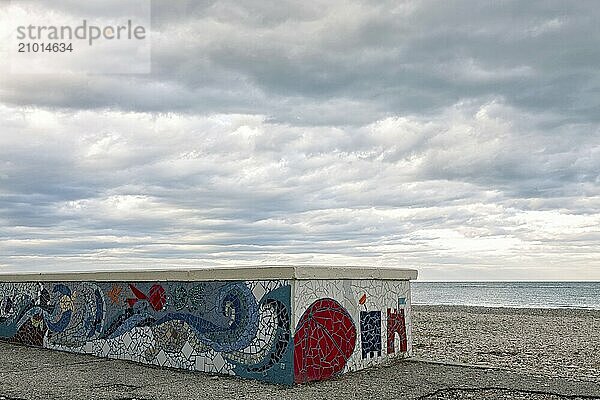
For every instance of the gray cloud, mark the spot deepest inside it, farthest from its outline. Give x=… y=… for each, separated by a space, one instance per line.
x=457 y=137
x=349 y=62
x=476 y=186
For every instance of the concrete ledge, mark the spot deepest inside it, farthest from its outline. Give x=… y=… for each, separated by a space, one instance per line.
x=298 y=272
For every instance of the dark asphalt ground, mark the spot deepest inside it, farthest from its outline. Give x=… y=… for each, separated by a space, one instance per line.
x=32 y=373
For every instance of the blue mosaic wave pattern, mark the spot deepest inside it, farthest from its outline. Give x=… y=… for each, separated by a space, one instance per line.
x=239 y=328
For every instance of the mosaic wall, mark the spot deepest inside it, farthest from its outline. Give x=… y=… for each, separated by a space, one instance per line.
x=352 y=324
x=243 y=328
x=237 y=328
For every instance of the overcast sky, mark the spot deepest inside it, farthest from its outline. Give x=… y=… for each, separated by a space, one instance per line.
x=461 y=138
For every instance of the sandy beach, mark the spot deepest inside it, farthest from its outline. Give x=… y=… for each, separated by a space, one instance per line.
x=460 y=353
x=551 y=342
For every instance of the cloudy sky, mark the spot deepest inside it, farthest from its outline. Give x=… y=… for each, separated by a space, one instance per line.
x=461 y=138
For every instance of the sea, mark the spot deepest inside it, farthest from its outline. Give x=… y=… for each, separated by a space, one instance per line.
x=582 y=295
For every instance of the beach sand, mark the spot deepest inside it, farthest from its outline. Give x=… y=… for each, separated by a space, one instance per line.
x=551 y=342
x=520 y=355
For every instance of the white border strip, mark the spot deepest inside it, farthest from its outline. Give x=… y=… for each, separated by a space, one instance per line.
x=271 y=272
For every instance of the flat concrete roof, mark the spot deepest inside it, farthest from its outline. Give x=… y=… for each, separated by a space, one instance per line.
x=221 y=273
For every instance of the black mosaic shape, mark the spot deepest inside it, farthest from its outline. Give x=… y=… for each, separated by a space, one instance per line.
x=370 y=333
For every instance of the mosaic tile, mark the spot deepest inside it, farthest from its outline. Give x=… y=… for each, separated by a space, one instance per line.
x=222 y=326
x=370 y=333
x=369 y=298
x=324 y=340
x=396 y=325
x=243 y=328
